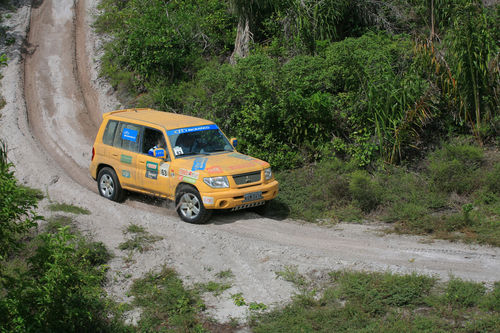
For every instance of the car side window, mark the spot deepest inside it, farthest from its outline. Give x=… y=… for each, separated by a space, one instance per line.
x=109 y=132
x=152 y=139
x=127 y=136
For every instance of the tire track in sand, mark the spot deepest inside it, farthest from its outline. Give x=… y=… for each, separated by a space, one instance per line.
x=56 y=103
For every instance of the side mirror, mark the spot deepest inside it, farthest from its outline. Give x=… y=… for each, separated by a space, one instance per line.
x=234 y=142
x=160 y=153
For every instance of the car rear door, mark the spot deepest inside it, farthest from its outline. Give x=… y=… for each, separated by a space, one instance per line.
x=124 y=153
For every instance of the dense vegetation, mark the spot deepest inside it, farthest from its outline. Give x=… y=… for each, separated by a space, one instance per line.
x=55 y=285
x=359 y=78
x=346 y=99
x=333 y=87
x=455 y=188
x=49 y=281
x=52 y=276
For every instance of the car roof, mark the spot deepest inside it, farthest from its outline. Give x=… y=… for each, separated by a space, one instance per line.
x=166 y=119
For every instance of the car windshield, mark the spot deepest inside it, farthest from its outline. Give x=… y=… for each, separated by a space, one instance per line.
x=203 y=140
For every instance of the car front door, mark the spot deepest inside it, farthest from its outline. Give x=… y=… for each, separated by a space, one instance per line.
x=153 y=172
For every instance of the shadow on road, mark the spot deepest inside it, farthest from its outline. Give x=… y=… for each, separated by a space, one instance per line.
x=276 y=210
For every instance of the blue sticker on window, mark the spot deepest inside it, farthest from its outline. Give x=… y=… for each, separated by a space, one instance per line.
x=129 y=134
x=199 y=163
x=192 y=129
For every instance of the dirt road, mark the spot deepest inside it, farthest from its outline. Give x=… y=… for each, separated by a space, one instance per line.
x=54 y=102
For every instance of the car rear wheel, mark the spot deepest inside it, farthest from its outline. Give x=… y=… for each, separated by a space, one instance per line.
x=189 y=205
x=109 y=185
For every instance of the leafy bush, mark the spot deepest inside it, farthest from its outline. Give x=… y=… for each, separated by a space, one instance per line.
x=463 y=293
x=162 y=41
x=492 y=179
x=452 y=168
x=71 y=293
x=487 y=229
x=166 y=304
x=375 y=290
x=54 y=283
x=492 y=301
x=61 y=290
x=364 y=191
x=302 y=109
x=17 y=205
x=313 y=192
x=407 y=195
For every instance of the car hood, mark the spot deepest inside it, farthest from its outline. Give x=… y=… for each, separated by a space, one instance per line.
x=221 y=163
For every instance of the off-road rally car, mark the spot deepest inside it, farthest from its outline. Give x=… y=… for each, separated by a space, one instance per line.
x=185 y=159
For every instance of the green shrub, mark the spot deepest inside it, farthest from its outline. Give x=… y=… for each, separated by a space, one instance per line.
x=452 y=168
x=162 y=41
x=492 y=179
x=406 y=195
x=54 y=284
x=463 y=293
x=375 y=290
x=17 y=205
x=492 y=300
x=140 y=239
x=300 y=110
x=166 y=304
x=364 y=191
x=314 y=192
x=61 y=291
x=487 y=230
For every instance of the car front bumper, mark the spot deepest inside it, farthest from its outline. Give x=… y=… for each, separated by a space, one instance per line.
x=234 y=198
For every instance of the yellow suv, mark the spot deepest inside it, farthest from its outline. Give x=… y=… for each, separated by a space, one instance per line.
x=185 y=159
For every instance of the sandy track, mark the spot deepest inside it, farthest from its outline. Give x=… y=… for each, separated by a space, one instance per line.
x=56 y=105
x=53 y=153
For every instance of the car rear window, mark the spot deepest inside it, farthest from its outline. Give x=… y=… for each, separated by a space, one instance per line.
x=127 y=136
x=109 y=132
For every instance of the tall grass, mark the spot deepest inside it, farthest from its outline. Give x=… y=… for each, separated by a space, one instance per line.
x=472 y=53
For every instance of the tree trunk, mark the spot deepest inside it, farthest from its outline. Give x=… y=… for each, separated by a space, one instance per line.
x=431 y=37
x=242 y=42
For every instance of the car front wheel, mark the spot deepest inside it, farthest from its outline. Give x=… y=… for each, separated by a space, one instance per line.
x=189 y=205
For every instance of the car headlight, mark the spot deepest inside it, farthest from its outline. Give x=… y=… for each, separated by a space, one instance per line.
x=216 y=182
x=268 y=174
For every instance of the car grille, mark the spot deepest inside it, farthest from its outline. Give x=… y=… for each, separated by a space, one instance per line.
x=246 y=178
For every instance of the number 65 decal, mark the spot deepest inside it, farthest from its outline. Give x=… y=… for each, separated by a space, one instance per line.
x=164 y=169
